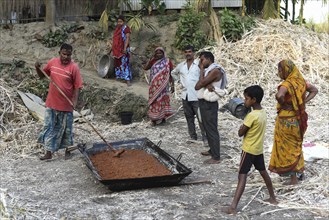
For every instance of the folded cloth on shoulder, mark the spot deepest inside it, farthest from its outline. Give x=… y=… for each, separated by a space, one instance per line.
x=219 y=86
x=214 y=96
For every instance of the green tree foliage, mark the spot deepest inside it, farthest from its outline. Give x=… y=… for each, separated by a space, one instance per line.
x=233 y=26
x=188 y=30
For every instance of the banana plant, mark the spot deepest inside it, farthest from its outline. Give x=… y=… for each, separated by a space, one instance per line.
x=103 y=22
x=136 y=22
x=148 y=4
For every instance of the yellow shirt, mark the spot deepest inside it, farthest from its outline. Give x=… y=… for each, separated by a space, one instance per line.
x=254 y=138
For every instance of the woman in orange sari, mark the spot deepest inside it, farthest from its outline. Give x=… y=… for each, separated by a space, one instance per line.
x=160 y=82
x=291 y=122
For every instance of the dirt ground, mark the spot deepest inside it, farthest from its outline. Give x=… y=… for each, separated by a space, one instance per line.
x=66 y=189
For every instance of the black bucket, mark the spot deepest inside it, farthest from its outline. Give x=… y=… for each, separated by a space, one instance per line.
x=126 y=117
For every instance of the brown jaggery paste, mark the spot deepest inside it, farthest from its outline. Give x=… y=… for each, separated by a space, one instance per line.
x=132 y=163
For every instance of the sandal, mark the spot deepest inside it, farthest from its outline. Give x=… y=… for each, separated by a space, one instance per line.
x=68 y=155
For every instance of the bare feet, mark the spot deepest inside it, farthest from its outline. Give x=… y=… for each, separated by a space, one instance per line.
x=288 y=183
x=229 y=210
x=293 y=181
x=47 y=156
x=271 y=200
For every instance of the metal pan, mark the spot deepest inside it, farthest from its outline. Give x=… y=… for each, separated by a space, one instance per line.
x=178 y=170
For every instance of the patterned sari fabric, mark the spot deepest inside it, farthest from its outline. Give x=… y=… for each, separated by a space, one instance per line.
x=159 y=100
x=291 y=123
x=121 y=60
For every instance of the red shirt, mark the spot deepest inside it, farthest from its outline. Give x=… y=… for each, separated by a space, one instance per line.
x=67 y=78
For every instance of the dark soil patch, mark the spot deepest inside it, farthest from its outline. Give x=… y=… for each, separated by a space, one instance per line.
x=107 y=103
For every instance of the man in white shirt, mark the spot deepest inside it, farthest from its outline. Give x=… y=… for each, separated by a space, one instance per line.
x=189 y=74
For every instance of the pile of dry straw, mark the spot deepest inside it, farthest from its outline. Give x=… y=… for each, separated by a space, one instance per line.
x=253 y=60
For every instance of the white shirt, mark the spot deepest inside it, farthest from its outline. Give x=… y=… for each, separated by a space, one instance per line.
x=188 y=79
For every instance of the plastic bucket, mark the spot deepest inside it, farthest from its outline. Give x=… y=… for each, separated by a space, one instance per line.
x=106 y=66
x=126 y=117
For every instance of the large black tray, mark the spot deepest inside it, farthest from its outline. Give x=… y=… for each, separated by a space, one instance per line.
x=179 y=171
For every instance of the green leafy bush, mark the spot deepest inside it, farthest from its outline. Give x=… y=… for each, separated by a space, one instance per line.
x=188 y=30
x=96 y=33
x=248 y=23
x=149 y=5
x=70 y=28
x=233 y=26
x=56 y=38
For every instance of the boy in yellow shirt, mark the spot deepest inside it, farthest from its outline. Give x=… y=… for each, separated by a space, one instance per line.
x=253 y=130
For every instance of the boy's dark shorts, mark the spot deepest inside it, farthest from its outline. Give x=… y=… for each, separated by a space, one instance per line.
x=247 y=160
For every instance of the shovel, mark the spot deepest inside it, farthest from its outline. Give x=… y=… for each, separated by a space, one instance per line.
x=116 y=153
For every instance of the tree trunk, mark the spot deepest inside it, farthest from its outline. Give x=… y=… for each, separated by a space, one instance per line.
x=269 y=10
x=279 y=2
x=286 y=12
x=214 y=22
x=293 y=11
x=50 y=12
x=301 y=12
x=243 y=8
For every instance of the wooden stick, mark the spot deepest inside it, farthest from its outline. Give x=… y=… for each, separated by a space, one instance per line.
x=196 y=182
x=293 y=207
x=252 y=198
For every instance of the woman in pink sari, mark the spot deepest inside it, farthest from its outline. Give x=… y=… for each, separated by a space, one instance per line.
x=160 y=82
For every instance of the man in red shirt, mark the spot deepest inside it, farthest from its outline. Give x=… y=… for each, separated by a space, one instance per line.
x=57 y=131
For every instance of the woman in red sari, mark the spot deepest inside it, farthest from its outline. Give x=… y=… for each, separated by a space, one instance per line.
x=160 y=82
x=121 y=49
